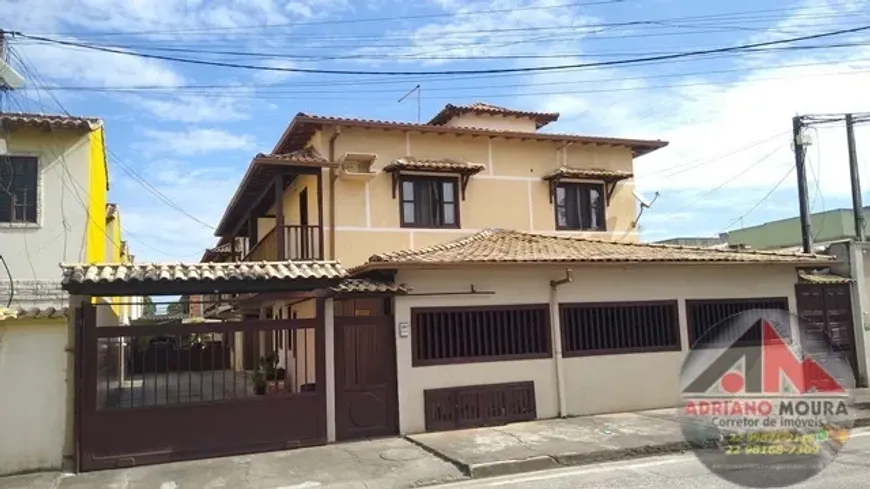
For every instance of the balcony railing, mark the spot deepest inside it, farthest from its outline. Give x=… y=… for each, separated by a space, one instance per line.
x=300 y=243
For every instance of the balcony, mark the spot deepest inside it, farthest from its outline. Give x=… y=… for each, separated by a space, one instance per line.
x=297 y=242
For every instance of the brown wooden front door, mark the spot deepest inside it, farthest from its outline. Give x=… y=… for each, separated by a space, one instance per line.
x=366 y=398
x=827 y=310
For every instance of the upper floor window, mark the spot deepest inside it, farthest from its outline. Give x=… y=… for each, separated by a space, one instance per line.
x=18 y=184
x=429 y=202
x=580 y=207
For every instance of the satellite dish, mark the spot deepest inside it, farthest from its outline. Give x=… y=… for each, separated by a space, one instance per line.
x=644 y=202
x=9 y=78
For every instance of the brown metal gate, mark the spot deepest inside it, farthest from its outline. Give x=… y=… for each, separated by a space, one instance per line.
x=167 y=392
x=366 y=398
x=827 y=309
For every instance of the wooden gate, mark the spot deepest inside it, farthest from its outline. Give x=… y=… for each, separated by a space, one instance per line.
x=366 y=397
x=827 y=310
x=167 y=392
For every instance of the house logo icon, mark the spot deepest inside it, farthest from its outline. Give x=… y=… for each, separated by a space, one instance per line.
x=765 y=399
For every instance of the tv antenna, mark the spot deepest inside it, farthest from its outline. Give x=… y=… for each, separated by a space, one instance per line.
x=419 y=92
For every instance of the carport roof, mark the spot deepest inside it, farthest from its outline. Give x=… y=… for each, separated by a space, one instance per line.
x=178 y=278
x=499 y=246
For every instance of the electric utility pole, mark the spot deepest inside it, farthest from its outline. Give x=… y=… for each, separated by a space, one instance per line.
x=857 y=204
x=800 y=167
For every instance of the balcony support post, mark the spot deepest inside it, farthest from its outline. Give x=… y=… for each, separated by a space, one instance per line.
x=320 y=215
x=279 y=218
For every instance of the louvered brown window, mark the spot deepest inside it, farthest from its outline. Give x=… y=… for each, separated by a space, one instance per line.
x=612 y=328
x=708 y=320
x=480 y=334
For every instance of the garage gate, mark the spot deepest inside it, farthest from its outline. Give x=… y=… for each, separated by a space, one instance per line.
x=166 y=392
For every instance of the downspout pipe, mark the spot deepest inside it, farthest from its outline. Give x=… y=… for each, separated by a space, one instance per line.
x=556 y=339
x=332 y=177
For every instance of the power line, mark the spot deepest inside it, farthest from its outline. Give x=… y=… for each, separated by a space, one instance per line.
x=455 y=72
x=353 y=21
x=735 y=177
x=316 y=58
x=781 y=180
x=154 y=190
x=293 y=95
x=252 y=29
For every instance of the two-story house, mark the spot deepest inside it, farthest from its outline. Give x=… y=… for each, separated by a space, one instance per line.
x=505 y=258
x=53 y=209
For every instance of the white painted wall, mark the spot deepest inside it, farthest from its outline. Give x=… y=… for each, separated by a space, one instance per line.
x=598 y=384
x=34 y=251
x=33 y=373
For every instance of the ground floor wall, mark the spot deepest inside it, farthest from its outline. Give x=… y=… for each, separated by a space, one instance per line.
x=33 y=395
x=593 y=384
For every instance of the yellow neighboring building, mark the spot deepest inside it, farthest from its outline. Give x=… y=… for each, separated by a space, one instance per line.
x=352 y=188
x=55 y=210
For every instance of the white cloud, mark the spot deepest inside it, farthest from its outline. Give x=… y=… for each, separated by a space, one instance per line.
x=204 y=192
x=195 y=108
x=87 y=67
x=194 y=141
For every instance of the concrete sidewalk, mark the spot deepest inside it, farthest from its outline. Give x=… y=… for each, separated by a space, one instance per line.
x=420 y=460
x=378 y=464
x=548 y=444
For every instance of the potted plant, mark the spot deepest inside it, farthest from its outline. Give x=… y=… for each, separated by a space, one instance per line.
x=259 y=380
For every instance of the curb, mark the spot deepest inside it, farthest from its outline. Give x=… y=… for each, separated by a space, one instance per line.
x=548 y=462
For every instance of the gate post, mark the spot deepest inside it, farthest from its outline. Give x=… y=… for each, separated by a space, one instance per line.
x=329 y=338
x=859 y=305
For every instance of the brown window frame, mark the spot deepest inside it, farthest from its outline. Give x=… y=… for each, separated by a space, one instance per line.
x=566 y=328
x=582 y=219
x=414 y=179
x=496 y=341
x=690 y=315
x=10 y=167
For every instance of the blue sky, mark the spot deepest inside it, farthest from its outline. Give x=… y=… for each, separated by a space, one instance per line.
x=190 y=131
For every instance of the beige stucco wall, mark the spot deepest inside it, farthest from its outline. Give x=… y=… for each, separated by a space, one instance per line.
x=497 y=122
x=597 y=384
x=33 y=374
x=33 y=251
x=508 y=194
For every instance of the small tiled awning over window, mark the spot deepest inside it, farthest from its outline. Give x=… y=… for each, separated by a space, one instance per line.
x=463 y=169
x=822 y=277
x=124 y=279
x=369 y=286
x=609 y=177
x=33 y=313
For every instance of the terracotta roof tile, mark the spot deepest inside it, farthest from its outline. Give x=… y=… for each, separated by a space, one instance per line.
x=304 y=125
x=363 y=285
x=305 y=155
x=823 y=278
x=207 y=272
x=33 y=313
x=572 y=172
x=410 y=163
x=48 y=121
x=450 y=111
x=505 y=246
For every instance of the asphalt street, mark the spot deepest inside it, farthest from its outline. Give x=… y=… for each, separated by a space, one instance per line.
x=850 y=469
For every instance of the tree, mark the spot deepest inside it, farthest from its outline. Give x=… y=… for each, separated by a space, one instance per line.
x=148 y=308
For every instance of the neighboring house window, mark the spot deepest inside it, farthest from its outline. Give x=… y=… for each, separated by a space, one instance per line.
x=18 y=182
x=580 y=206
x=430 y=202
